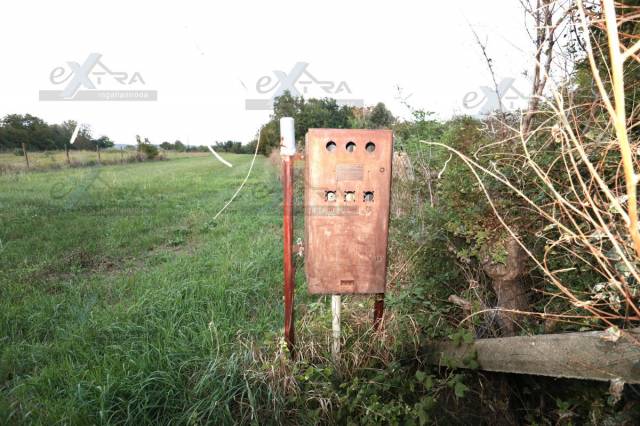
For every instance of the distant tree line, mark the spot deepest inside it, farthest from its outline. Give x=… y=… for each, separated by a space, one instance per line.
x=34 y=134
x=177 y=146
x=151 y=151
x=26 y=131
x=318 y=113
x=235 y=147
x=228 y=146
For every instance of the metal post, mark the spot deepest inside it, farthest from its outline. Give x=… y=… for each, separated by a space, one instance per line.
x=378 y=311
x=287 y=151
x=289 y=273
x=335 y=311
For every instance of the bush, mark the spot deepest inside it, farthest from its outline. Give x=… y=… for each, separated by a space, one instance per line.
x=148 y=150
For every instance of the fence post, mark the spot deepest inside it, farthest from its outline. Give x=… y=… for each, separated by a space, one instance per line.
x=24 y=151
x=287 y=151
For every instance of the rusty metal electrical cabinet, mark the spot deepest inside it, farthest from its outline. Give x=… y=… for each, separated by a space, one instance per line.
x=347 y=195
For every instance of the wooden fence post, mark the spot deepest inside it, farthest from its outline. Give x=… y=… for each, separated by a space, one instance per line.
x=592 y=355
x=24 y=151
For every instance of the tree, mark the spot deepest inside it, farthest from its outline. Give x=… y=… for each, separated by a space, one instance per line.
x=103 y=142
x=18 y=130
x=84 y=139
x=146 y=149
x=380 y=117
x=13 y=134
x=269 y=137
x=307 y=114
x=26 y=131
x=250 y=148
x=287 y=105
x=322 y=113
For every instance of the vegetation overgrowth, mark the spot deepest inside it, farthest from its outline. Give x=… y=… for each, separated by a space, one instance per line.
x=515 y=223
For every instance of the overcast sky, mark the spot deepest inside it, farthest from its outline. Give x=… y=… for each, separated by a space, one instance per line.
x=205 y=59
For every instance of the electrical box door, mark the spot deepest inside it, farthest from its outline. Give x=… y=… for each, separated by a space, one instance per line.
x=347 y=194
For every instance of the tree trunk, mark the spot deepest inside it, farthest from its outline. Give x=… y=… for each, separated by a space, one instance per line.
x=506 y=283
x=26 y=156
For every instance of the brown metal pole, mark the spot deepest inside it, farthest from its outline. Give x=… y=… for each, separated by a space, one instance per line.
x=378 y=311
x=289 y=272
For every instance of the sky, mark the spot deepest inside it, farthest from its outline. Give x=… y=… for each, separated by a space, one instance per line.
x=204 y=60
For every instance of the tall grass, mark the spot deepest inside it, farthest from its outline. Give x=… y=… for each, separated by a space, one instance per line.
x=130 y=306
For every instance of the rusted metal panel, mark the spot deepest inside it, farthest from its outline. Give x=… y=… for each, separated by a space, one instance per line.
x=347 y=193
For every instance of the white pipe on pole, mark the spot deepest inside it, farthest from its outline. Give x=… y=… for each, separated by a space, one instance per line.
x=335 y=311
x=287 y=136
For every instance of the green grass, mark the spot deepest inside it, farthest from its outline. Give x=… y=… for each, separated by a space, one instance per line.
x=122 y=301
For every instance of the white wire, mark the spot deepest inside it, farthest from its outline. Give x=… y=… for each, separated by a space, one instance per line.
x=222 y=160
x=253 y=160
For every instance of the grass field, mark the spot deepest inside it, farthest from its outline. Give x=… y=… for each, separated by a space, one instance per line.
x=121 y=300
x=57 y=159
